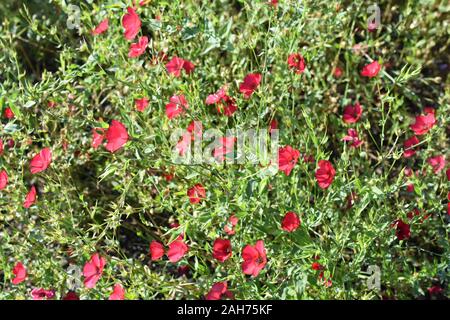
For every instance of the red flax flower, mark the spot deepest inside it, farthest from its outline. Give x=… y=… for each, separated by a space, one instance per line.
x=156 y=250
x=118 y=292
x=337 y=72
x=20 y=273
x=131 y=24
x=102 y=27
x=98 y=134
x=287 y=158
x=352 y=137
x=184 y=144
x=71 y=296
x=137 y=49
x=224 y=103
x=227 y=146
x=352 y=113
x=254 y=257
x=229 y=227
x=409 y=145
x=30 y=198
x=176 y=106
x=371 y=70
x=42 y=294
x=9 y=114
x=438 y=163
x=218 y=291
x=325 y=174
x=116 y=136
x=1 y=147
x=41 y=161
x=423 y=124
x=402 y=229
x=141 y=104
x=3 y=179
x=197 y=193
x=448 y=174
x=250 y=84
x=222 y=249
x=290 y=222
x=176 y=64
x=296 y=62
x=177 y=250
x=93 y=270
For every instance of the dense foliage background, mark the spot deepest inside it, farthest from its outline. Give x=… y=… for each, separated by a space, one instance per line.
x=60 y=83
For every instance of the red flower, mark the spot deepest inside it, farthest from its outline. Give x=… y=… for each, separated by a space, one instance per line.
x=175 y=65
x=98 y=134
x=337 y=72
x=296 y=62
x=448 y=174
x=177 y=249
x=371 y=70
x=137 y=49
x=116 y=136
x=317 y=266
x=436 y=289
x=222 y=249
x=3 y=179
x=30 y=198
x=325 y=174
x=218 y=291
x=229 y=227
x=19 y=272
x=413 y=213
x=227 y=146
x=41 y=161
x=352 y=113
x=409 y=145
x=176 y=106
x=102 y=27
x=93 y=270
x=1 y=146
x=131 y=23
x=438 y=163
x=141 y=104
x=71 y=296
x=273 y=125
x=287 y=158
x=9 y=114
x=402 y=229
x=118 y=293
x=410 y=187
x=353 y=137
x=184 y=144
x=197 y=193
x=156 y=250
x=254 y=257
x=326 y=282
x=250 y=84
x=290 y=222
x=423 y=124
x=41 y=294
x=225 y=104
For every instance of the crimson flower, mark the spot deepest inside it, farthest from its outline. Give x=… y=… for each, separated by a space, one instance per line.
x=352 y=113
x=296 y=62
x=41 y=161
x=325 y=174
x=184 y=144
x=176 y=64
x=20 y=273
x=176 y=106
x=229 y=227
x=225 y=104
x=290 y=222
x=423 y=124
x=227 y=146
x=218 y=291
x=371 y=70
x=409 y=145
x=254 y=257
x=317 y=266
x=352 y=137
x=102 y=27
x=3 y=179
x=131 y=24
x=30 y=198
x=1 y=146
x=141 y=104
x=118 y=292
x=156 y=250
x=93 y=270
x=448 y=174
x=71 y=296
x=287 y=158
x=250 y=84
x=42 y=294
x=137 y=49
x=222 y=249
x=337 y=72
x=9 y=114
x=116 y=136
x=402 y=229
x=177 y=249
x=98 y=134
x=438 y=163
x=197 y=193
